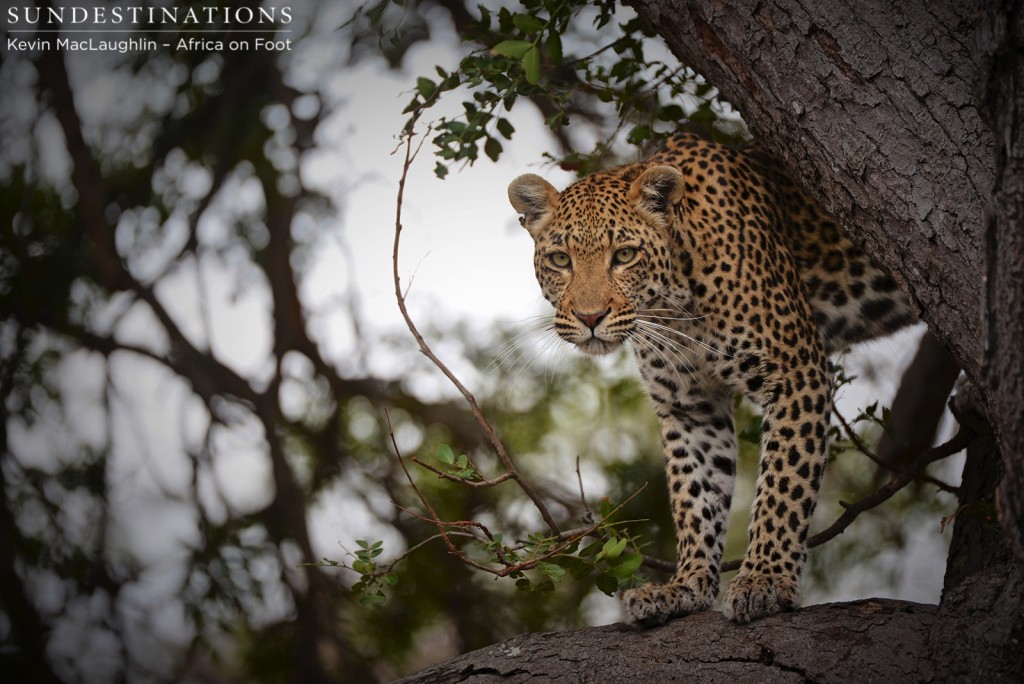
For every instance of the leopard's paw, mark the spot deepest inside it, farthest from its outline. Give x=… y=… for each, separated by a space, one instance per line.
x=750 y=596
x=656 y=604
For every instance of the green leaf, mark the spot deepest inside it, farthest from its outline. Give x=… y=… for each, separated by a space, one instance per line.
x=445 y=454
x=425 y=87
x=512 y=48
x=531 y=66
x=577 y=567
x=547 y=586
x=555 y=572
x=625 y=568
x=390 y=579
x=485 y=17
x=607 y=583
x=639 y=135
x=554 y=47
x=492 y=148
x=528 y=24
x=505 y=128
x=505 y=20
x=613 y=548
x=672 y=113
x=440 y=170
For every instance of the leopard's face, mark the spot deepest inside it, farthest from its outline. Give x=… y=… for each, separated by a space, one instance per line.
x=601 y=251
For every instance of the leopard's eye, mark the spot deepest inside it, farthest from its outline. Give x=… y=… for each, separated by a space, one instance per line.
x=559 y=259
x=623 y=256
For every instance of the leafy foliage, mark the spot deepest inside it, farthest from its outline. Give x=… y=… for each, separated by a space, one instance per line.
x=524 y=56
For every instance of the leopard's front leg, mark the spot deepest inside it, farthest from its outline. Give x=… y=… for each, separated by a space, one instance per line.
x=700 y=462
x=794 y=446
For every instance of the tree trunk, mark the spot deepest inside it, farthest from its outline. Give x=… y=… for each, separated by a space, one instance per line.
x=1001 y=45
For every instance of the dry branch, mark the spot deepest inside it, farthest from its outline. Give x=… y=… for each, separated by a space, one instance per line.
x=411 y=149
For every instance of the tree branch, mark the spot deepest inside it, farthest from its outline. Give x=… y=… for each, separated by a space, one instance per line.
x=499 y=447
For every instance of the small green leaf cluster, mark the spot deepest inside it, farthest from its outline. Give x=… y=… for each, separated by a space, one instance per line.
x=523 y=56
x=496 y=77
x=457 y=466
x=611 y=556
x=845 y=438
x=613 y=561
x=370 y=587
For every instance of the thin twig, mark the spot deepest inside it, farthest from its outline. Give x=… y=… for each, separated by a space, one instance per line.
x=897 y=482
x=474 y=484
x=858 y=442
x=442 y=527
x=411 y=152
x=564 y=539
x=390 y=565
x=588 y=516
x=668 y=566
x=567 y=540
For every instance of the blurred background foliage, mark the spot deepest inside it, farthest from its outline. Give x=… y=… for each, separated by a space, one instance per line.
x=163 y=499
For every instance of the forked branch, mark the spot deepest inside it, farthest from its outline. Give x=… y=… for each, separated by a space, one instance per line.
x=412 y=147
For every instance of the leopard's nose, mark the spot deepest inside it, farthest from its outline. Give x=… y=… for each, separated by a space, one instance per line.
x=591 y=320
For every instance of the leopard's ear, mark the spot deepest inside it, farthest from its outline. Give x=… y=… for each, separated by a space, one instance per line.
x=657 y=190
x=533 y=197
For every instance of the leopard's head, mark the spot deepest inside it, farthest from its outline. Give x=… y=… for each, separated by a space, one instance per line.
x=602 y=253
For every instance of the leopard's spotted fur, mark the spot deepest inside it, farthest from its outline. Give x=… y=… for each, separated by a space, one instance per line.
x=723 y=276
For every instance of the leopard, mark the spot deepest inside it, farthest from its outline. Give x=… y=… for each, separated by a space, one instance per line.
x=723 y=277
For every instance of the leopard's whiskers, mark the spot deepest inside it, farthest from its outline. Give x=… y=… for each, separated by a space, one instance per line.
x=643 y=320
x=662 y=350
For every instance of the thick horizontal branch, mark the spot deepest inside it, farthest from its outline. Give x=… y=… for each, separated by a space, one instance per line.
x=810 y=645
x=878 y=639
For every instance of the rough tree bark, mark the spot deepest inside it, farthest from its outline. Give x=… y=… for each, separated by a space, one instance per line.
x=861 y=641
x=905 y=121
x=1001 y=48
